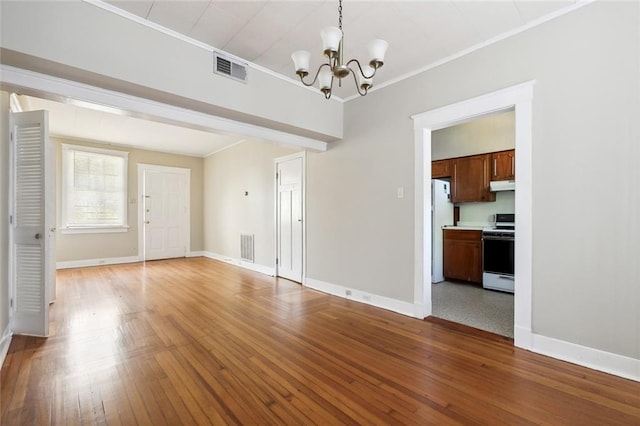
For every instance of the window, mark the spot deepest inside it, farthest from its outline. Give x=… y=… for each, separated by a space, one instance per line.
x=94 y=189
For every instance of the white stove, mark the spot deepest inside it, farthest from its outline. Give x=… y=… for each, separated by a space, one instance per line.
x=498 y=260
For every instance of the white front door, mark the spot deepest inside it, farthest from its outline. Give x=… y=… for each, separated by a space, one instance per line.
x=32 y=220
x=289 y=218
x=165 y=215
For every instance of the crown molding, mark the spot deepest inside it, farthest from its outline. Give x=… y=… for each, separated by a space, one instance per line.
x=493 y=40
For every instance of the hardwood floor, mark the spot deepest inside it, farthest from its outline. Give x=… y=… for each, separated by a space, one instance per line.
x=195 y=341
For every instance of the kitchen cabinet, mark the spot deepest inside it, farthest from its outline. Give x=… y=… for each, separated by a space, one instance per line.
x=440 y=169
x=462 y=256
x=503 y=165
x=470 y=179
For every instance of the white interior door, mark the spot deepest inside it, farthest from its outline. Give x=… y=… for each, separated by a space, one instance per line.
x=32 y=219
x=289 y=219
x=166 y=221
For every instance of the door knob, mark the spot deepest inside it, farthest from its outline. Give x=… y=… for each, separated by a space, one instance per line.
x=146 y=222
x=37 y=236
x=53 y=229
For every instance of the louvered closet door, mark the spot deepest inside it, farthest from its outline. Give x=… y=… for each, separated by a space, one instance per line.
x=32 y=268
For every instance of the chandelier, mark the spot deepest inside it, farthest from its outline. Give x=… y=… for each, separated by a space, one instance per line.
x=333 y=46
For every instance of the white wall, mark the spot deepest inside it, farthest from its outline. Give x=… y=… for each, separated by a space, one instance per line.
x=586 y=148
x=79 y=41
x=228 y=212
x=359 y=234
x=488 y=134
x=484 y=213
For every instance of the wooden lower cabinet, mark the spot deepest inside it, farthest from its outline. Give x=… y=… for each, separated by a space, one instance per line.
x=463 y=255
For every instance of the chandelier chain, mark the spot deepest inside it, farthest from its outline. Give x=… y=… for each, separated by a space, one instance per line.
x=340 y=14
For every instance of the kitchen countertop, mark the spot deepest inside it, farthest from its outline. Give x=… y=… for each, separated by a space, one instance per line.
x=464 y=228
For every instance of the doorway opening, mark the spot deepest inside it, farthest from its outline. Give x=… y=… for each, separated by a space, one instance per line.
x=462 y=213
x=520 y=98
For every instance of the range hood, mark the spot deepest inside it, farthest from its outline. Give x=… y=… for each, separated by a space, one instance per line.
x=502 y=185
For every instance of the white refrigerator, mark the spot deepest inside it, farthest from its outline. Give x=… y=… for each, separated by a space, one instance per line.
x=441 y=215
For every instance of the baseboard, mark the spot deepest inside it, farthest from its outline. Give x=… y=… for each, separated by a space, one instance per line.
x=96 y=262
x=199 y=253
x=596 y=359
x=398 y=306
x=267 y=270
x=4 y=343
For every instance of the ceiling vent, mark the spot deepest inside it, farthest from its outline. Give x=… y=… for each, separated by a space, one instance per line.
x=230 y=67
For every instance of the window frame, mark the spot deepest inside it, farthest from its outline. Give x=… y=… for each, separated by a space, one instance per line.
x=67 y=173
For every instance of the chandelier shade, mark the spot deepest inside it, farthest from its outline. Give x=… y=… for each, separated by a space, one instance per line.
x=325 y=79
x=331 y=37
x=377 y=49
x=301 y=59
x=335 y=67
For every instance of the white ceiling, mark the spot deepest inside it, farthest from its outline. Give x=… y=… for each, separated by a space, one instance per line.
x=76 y=122
x=420 y=33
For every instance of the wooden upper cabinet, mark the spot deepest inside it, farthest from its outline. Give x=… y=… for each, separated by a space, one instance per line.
x=441 y=169
x=503 y=165
x=470 y=179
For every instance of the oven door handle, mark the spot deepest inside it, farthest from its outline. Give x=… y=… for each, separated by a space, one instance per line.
x=506 y=277
x=494 y=238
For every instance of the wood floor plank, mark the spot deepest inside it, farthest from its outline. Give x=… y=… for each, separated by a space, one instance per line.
x=196 y=341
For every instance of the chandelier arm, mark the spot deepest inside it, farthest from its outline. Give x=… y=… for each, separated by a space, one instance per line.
x=314 y=78
x=328 y=93
x=360 y=68
x=355 y=80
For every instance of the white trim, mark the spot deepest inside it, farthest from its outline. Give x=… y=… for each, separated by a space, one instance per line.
x=276 y=161
x=225 y=148
x=134 y=106
x=5 y=343
x=198 y=253
x=142 y=167
x=394 y=305
x=267 y=270
x=493 y=40
x=519 y=97
x=596 y=359
x=93 y=229
x=96 y=262
x=197 y=43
